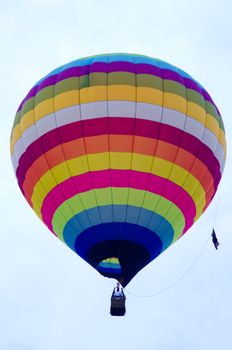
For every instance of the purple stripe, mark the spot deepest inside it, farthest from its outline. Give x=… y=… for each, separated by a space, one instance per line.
x=172 y=75
x=103 y=126
x=191 y=84
x=103 y=67
x=51 y=80
x=30 y=94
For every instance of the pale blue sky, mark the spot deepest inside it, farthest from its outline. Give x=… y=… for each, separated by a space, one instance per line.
x=49 y=297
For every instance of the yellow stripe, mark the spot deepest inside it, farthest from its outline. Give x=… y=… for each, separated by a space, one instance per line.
x=115 y=93
x=222 y=140
x=27 y=120
x=139 y=163
x=176 y=102
x=196 y=112
x=212 y=124
x=44 y=108
x=67 y=99
x=16 y=135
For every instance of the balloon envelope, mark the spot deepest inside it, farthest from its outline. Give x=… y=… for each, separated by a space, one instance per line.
x=118 y=155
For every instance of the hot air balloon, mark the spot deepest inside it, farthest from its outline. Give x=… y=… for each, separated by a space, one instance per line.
x=119 y=155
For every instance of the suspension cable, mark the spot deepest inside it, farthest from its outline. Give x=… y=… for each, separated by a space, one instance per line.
x=188 y=269
x=178 y=280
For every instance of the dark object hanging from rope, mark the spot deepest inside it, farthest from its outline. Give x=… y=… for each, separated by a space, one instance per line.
x=215 y=240
x=118 y=302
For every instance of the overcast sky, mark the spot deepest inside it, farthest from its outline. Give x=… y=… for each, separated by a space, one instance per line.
x=49 y=297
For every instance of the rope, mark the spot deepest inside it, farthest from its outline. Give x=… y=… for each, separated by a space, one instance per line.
x=216 y=206
x=190 y=267
x=178 y=280
x=186 y=272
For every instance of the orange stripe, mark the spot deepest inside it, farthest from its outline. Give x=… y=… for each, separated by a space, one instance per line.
x=96 y=144
x=118 y=143
x=55 y=156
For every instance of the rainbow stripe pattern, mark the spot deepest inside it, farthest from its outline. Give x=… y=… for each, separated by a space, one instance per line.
x=119 y=155
x=110 y=267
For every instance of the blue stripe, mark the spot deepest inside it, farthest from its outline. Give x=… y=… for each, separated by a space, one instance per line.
x=118 y=231
x=117 y=57
x=109 y=271
x=151 y=221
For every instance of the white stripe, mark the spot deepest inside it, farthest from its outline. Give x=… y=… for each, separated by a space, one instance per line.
x=193 y=127
x=124 y=109
x=117 y=109
x=149 y=111
x=174 y=118
x=93 y=110
x=210 y=140
x=18 y=151
x=30 y=135
x=219 y=154
x=223 y=164
x=44 y=125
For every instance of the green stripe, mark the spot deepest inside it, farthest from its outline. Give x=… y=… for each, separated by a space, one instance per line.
x=112 y=263
x=28 y=106
x=116 y=78
x=42 y=95
x=136 y=198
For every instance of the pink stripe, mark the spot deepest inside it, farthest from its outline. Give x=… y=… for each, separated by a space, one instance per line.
x=118 y=178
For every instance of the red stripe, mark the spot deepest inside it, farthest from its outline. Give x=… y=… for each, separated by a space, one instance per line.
x=117 y=126
x=118 y=143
